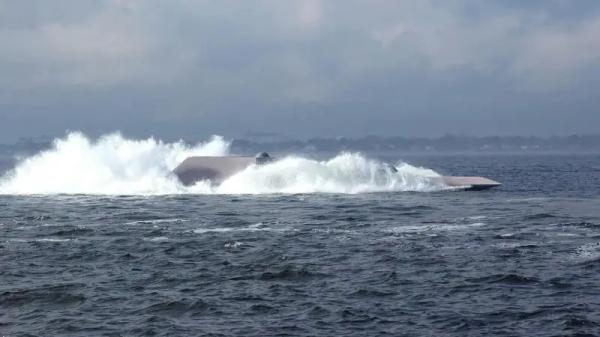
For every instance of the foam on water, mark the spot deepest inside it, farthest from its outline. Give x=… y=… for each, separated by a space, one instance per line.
x=257 y=227
x=114 y=164
x=156 y=239
x=434 y=227
x=52 y=240
x=588 y=252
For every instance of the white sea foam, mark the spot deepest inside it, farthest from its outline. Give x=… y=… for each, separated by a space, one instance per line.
x=587 y=252
x=39 y=240
x=156 y=239
x=234 y=244
x=257 y=227
x=53 y=240
x=155 y=222
x=441 y=227
x=114 y=164
x=216 y=230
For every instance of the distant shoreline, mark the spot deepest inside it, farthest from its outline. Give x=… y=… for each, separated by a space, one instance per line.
x=449 y=144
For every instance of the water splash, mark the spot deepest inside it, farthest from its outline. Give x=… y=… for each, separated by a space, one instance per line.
x=111 y=165
x=114 y=164
x=345 y=173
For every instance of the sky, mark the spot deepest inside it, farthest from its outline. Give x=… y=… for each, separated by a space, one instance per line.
x=305 y=68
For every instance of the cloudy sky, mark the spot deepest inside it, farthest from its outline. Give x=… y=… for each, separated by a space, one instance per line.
x=192 y=68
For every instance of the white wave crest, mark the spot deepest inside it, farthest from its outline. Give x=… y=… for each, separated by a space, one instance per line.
x=114 y=164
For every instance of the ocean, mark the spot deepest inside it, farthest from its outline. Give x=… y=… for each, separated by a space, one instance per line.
x=96 y=239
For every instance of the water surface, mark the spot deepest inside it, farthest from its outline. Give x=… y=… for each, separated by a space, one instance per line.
x=521 y=260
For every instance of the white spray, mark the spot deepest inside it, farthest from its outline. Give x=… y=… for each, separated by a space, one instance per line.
x=117 y=165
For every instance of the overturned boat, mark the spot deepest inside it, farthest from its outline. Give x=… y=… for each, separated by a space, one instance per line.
x=218 y=169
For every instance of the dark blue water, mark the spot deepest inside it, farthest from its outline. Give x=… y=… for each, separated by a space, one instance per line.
x=521 y=260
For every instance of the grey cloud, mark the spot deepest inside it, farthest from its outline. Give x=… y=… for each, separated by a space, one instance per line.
x=188 y=68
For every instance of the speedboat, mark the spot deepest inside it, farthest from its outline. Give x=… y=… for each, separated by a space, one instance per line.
x=218 y=169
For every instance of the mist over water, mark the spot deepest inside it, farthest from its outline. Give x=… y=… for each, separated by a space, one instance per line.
x=114 y=165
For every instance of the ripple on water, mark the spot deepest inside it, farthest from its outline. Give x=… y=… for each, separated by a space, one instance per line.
x=176 y=308
x=509 y=278
x=47 y=296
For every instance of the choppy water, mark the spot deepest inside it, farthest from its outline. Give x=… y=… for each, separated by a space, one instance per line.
x=521 y=260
